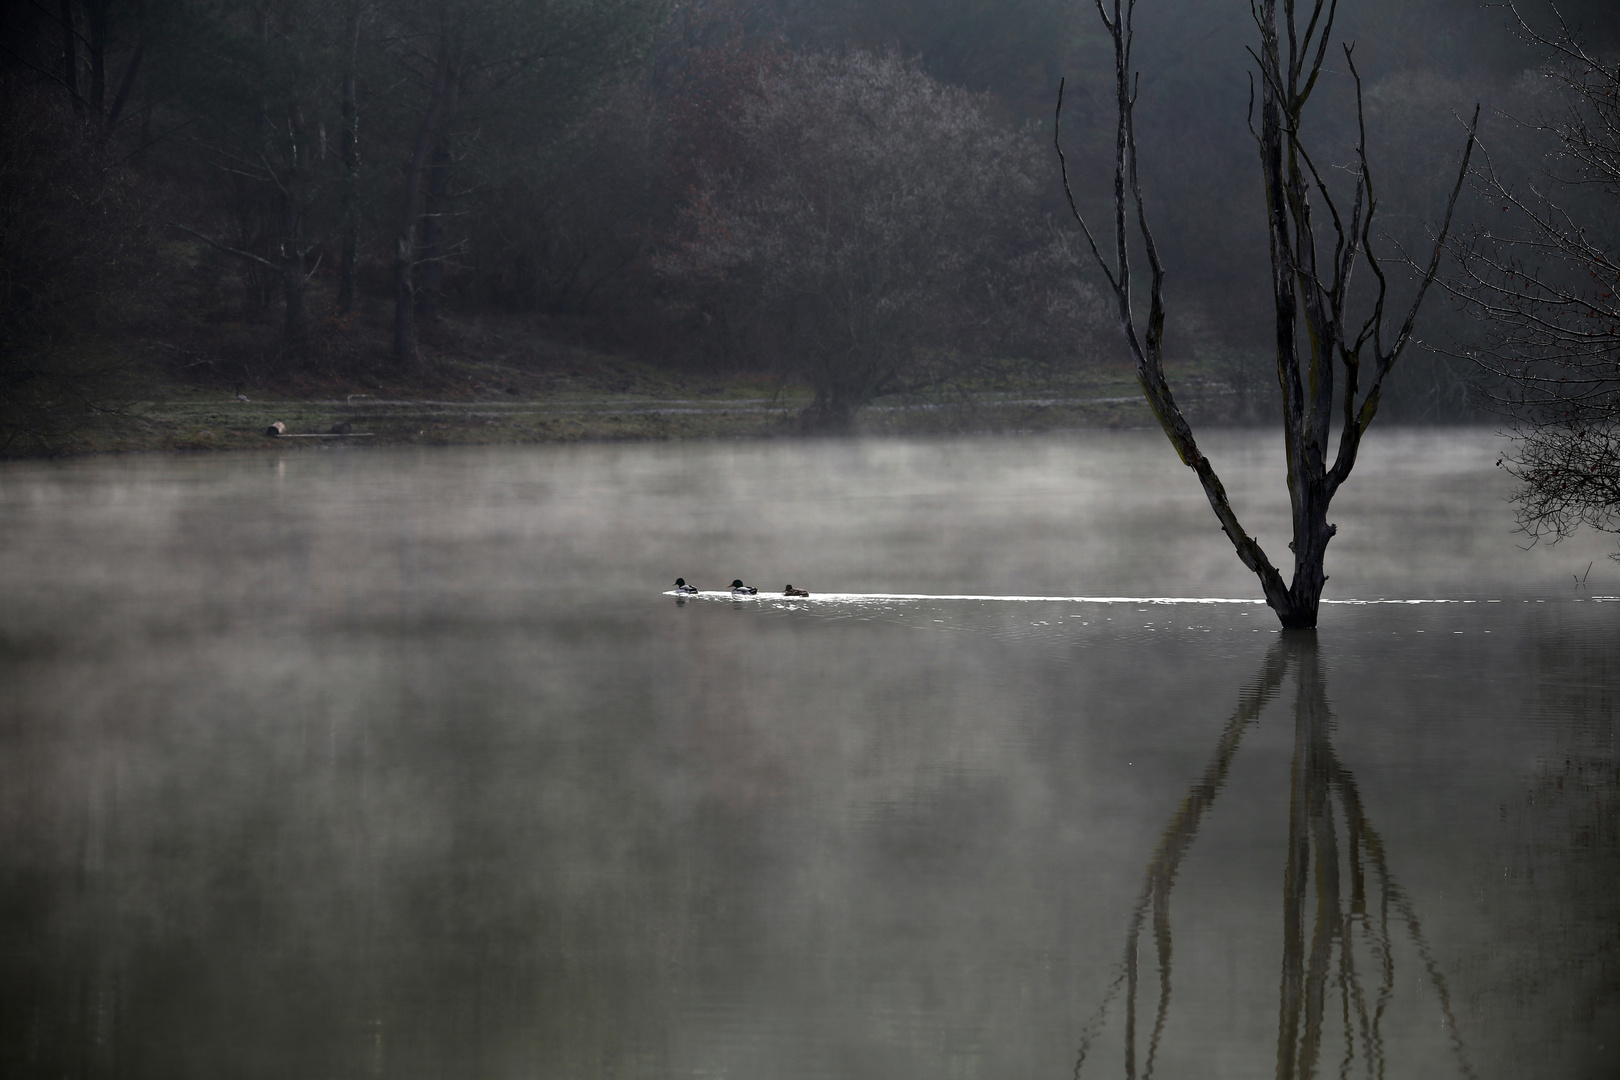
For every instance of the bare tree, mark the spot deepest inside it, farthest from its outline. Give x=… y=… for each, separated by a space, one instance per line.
x=1317 y=333
x=542 y=62
x=262 y=104
x=1545 y=285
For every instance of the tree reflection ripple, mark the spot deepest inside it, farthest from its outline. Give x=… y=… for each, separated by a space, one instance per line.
x=1344 y=948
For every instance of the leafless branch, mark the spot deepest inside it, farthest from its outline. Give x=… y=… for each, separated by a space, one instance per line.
x=211 y=242
x=1063 y=166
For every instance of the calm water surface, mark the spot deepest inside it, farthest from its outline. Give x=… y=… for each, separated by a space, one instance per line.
x=405 y=764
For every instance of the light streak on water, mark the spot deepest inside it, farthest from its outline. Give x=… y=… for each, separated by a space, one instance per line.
x=858 y=598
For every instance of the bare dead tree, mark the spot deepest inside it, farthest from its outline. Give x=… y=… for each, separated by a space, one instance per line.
x=1317 y=334
x=261 y=105
x=1545 y=287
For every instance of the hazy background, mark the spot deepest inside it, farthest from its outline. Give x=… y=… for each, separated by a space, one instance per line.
x=712 y=187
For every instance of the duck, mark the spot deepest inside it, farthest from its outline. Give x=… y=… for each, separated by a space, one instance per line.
x=682 y=587
x=739 y=589
x=791 y=591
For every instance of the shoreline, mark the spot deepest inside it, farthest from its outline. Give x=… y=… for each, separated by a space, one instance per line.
x=208 y=421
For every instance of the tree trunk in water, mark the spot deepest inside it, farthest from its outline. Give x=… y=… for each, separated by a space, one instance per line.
x=1302 y=288
x=1311 y=535
x=349 y=143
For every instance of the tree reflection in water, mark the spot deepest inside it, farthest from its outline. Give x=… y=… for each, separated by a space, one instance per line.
x=1324 y=951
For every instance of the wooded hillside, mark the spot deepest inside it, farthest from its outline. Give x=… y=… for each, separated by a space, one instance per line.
x=854 y=197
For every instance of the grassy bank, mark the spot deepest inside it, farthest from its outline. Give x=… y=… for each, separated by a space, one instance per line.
x=202 y=419
x=586 y=396
x=512 y=382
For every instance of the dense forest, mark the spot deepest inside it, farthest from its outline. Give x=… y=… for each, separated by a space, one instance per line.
x=856 y=197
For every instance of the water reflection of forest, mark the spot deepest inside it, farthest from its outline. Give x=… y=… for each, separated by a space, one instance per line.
x=1348 y=927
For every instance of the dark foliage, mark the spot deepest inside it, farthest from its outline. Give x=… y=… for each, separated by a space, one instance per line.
x=869 y=230
x=74 y=246
x=339 y=176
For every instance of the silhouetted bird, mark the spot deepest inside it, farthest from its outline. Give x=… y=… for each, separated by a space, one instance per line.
x=791 y=591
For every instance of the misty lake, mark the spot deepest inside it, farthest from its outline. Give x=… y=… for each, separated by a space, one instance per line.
x=406 y=763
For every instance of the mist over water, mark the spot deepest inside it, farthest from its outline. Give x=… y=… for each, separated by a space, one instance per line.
x=403 y=764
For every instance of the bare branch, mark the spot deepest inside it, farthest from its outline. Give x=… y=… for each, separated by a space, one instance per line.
x=51 y=75
x=1147 y=353
x=211 y=242
x=1386 y=360
x=1063 y=167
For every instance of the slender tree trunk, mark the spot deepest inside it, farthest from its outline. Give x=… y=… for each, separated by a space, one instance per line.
x=349 y=144
x=406 y=352
x=1306 y=412
x=96 y=34
x=287 y=126
x=292 y=269
x=430 y=267
x=70 y=56
x=127 y=83
x=1289 y=611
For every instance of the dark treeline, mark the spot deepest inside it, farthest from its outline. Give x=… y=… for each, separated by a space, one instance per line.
x=858 y=195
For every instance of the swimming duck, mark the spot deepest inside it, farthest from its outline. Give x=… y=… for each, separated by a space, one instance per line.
x=791 y=591
x=739 y=589
x=682 y=587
